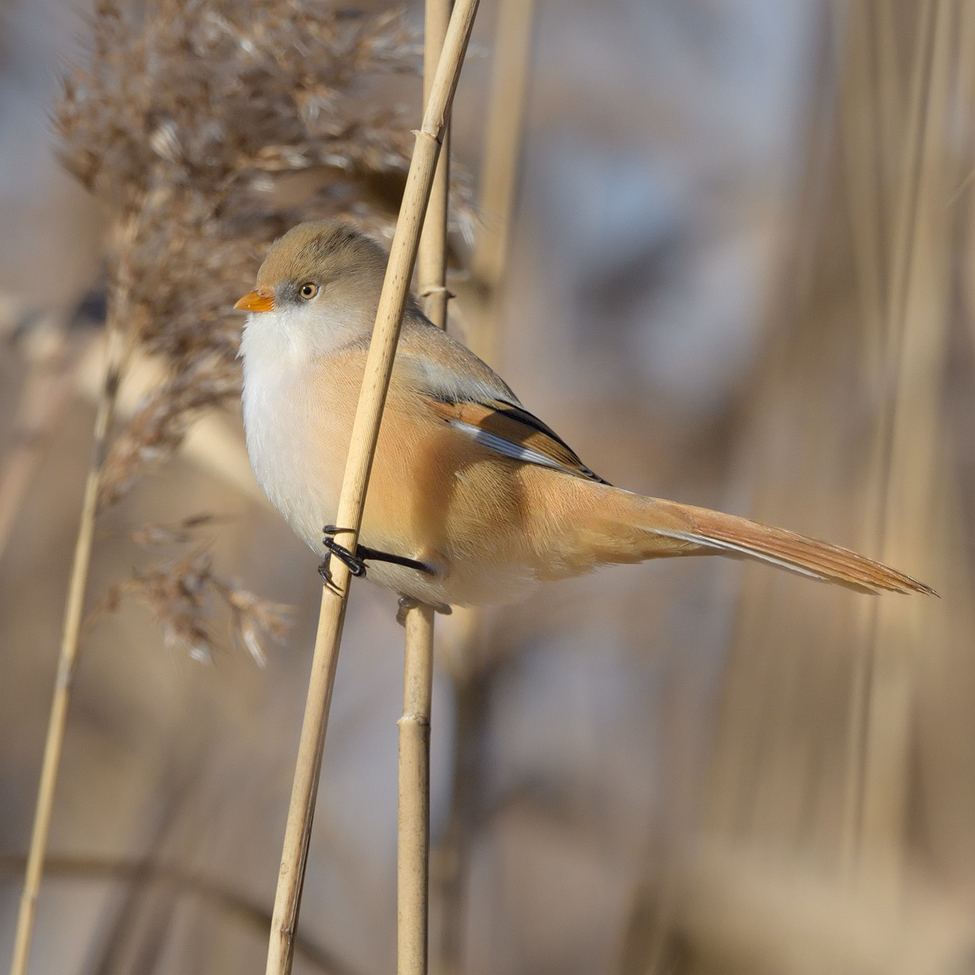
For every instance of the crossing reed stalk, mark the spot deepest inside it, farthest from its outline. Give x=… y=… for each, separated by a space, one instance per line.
x=413 y=837
x=365 y=432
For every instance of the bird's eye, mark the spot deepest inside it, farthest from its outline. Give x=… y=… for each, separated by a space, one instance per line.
x=308 y=290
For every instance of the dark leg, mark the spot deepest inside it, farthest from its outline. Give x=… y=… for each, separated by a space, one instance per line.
x=372 y=555
x=356 y=563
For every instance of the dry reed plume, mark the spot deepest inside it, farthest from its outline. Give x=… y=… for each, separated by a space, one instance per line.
x=182 y=593
x=191 y=125
x=187 y=122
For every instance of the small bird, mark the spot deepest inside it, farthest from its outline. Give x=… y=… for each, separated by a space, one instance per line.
x=472 y=499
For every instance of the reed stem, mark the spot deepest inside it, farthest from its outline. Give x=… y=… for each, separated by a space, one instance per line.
x=916 y=341
x=413 y=859
x=413 y=837
x=365 y=432
x=499 y=170
x=432 y=255
x=496 y=199
x=68 y=656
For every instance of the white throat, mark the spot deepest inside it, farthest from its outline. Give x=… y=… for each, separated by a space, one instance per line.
x=297 y=333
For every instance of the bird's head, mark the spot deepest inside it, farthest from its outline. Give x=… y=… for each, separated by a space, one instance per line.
x=317 y=290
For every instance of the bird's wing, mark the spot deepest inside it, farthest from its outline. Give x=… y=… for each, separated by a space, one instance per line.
x=510 y=430
x=466 y=393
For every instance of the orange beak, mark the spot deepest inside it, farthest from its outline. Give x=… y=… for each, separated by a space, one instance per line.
x=259 y=300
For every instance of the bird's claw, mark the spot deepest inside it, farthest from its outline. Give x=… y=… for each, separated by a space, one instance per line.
x=326 y=573
x=405 y=604
x=352 y=562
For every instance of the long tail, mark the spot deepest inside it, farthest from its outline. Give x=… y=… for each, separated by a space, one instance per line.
x=631 y=528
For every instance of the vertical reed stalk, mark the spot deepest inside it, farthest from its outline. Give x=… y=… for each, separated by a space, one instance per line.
x=907 y=456
x=432 y=255
x=499 y=170
x=413 y=859
x=891 y=185
x=116 y=349
x=365 y=432
x=496 y=199
x=413 y=838
x=875 y=159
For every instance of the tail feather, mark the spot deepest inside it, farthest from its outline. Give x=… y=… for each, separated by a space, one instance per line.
x=731 y=535
x=633 y=528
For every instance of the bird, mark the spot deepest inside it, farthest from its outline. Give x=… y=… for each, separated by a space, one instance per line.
x=472 y=499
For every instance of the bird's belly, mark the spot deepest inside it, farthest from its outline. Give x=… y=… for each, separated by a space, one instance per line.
x=435 y=496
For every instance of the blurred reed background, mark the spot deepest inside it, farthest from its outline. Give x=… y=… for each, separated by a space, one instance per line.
x=738 y=275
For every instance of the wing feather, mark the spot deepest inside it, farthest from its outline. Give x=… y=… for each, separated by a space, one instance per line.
x=466 y=393
x=510 y=430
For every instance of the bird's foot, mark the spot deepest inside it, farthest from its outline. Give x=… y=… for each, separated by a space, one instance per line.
x=356 y=563
x=406 y=603
x=326 y=573
x=353 y=562
x=364 y=554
